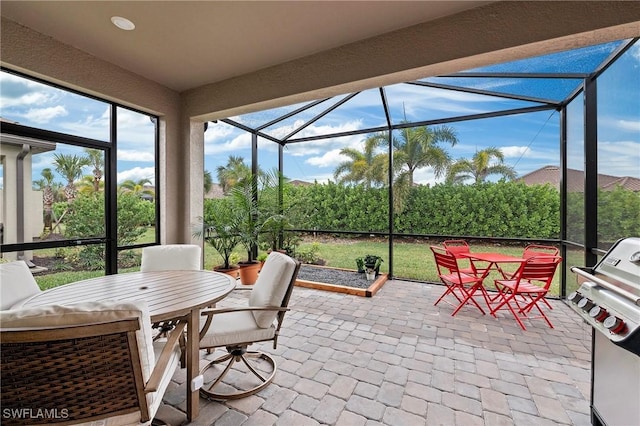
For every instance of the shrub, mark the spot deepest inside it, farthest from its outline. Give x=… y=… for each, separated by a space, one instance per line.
x=85 y=219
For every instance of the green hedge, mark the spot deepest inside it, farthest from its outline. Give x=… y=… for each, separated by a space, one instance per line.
x=503 y=209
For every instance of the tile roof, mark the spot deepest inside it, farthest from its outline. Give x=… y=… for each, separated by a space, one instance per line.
x=575 y=179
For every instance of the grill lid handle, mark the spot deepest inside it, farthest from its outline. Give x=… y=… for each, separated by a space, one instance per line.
x=602 y=283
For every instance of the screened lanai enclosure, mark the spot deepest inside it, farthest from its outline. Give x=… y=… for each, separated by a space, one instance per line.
x=543 y=150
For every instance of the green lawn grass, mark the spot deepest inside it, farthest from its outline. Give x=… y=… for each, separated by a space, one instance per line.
x=413 y=259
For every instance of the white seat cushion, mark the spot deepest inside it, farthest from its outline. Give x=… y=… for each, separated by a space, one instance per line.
x=271 y=286
x=16 y=284
x=234 y=327
x=171 y=257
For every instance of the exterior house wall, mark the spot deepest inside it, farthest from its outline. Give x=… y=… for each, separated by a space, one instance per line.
x=33 y=220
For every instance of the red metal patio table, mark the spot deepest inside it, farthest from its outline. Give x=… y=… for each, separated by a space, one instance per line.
x=492 y=261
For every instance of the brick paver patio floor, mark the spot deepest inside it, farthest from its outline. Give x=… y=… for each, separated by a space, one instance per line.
x=395 y=359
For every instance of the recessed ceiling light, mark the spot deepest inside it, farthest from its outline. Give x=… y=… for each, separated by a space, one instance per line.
x=122 y=23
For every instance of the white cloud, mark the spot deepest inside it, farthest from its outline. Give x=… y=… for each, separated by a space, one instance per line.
x=426 y=177
x=132 y=155
x=516 y=151
x=137 y=173
x=241 y=141
x=319 y=177
x=629 y=125
x=128 y=119
x=619 y=158
x=329 y=159
x=218 y=130
x=418 y=101
x=32 y=98
x=44 y=115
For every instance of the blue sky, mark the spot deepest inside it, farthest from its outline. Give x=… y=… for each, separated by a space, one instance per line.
x=528 y=141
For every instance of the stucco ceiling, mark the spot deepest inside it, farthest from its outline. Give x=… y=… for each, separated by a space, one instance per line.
x=187 y=44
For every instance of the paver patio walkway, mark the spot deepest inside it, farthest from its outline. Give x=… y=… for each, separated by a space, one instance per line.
x=395 y=359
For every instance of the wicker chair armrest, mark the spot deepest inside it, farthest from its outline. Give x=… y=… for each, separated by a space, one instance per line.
x=39 y=334
x=165 y=355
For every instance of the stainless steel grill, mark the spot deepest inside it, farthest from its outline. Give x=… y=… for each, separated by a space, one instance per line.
x=609 y=300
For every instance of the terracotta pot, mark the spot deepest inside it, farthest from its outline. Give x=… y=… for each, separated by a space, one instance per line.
x=233 y=271
x=249 y=272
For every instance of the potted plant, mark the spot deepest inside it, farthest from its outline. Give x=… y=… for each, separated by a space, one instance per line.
x=360 y=264
x=370 y=273
x=219 y=230
x=279 y=216
x=371 y=261
x=248 y=226
x=262 y=257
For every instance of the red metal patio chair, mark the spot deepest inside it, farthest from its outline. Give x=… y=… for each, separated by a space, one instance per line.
x=529 y=285
x=461 y=285
x=539 y=250
x=457 y=247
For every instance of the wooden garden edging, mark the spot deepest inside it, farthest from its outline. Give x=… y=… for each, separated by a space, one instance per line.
x=375 y=286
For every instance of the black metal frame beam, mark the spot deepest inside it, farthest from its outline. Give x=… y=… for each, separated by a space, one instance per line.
x=485 y=92
x=322 y=114
x=556 y=75
x=291 y=114
x=563 y=195
x=590 y=171
x=427 y=123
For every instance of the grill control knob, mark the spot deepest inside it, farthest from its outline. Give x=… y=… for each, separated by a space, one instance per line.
x=614 y=324
x=585 y=304
x=574 y=297
x=598 y=313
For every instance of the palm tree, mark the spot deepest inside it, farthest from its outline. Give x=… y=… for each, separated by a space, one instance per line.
x=365 y=167
x=87 y=185
x=417 y=148
x=96 y=160
x=137 y=187
x=208 y=181
x=70 y=166
x=47 y=197
x=234 y=172
x=480 y=167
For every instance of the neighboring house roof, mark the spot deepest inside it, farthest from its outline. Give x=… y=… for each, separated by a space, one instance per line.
x=38 y=146
x=297 y=182
x=215 y=191
x=575 y=180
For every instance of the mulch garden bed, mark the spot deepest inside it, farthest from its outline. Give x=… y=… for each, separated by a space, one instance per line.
x=339 y=280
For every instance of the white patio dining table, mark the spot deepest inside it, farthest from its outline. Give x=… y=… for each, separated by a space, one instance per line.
x=170 y=295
